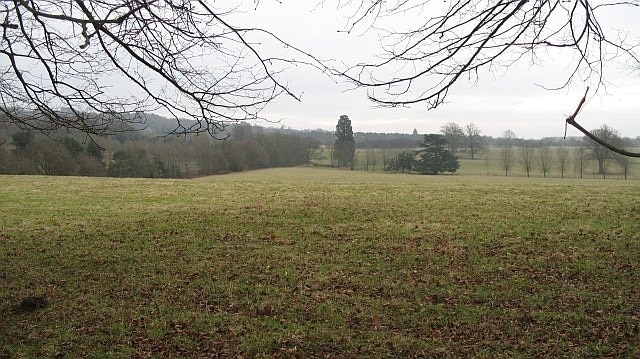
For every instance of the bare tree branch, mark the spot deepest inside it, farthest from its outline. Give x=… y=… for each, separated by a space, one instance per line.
x=571 y=120
x=97 y=66
x=439 y=44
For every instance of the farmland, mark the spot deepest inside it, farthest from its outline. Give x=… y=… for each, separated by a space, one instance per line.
x=310 y=262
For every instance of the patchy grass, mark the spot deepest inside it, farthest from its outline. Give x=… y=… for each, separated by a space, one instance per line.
x=317 y=262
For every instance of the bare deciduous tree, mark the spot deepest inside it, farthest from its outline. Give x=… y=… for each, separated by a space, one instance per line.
x=455 y=136
x=473 y=140
x=70 y=63
x=506 y=152
x=601 y=153
x=385 y=154
x=527 y=149
x=437 y=44
x=562 y=153
x=625 y=164
x=545 y=156
x=580 y=157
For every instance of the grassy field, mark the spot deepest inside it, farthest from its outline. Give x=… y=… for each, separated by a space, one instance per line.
x=490 y=163
x=305 y=262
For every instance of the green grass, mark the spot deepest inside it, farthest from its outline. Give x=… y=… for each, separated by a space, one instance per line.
x=320 y=263
x=490 y=163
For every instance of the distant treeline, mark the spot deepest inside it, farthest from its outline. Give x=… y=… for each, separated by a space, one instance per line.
x=157 y=126
x=149 y=152
x=136 y=154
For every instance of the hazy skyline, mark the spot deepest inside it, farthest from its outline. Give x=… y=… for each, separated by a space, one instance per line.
x=497 y=102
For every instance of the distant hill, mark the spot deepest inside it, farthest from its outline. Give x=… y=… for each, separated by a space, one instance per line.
x=153 y=125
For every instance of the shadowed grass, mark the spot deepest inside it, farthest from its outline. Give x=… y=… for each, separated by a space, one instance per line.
x=310 y=262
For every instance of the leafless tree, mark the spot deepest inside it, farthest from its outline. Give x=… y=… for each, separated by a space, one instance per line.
x=527 y=149
x=562 y=153
x=434 y=44
x=545 y=156
x=580 y=157
x=625 y=164
x=455 y=136
x=311 y=150
x=372 y=153
x=601 y=153
x=506 y=152
x=473 y=139
x=96 y=65
x=385 y=154
x=330 y=154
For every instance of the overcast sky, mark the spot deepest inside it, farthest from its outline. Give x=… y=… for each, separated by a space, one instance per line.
x=499 y=101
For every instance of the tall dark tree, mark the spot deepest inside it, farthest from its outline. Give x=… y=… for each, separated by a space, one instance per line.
x=255 y=155
x=53 y=158
x=4 y=160
x=131 y=163
x=434 y=157
x=219 y=162
x=236 y=157
x=344 y=148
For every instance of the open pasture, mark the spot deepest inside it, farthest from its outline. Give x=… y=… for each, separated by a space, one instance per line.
x=314 y=262
x=491 y=163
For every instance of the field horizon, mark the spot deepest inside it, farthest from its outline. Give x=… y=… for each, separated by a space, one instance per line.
x=318 y=262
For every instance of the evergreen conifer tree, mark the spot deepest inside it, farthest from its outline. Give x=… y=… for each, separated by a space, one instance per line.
x=344 y=146
x=435 y=158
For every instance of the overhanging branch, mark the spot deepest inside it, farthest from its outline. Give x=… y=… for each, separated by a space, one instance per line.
x=571 y=120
